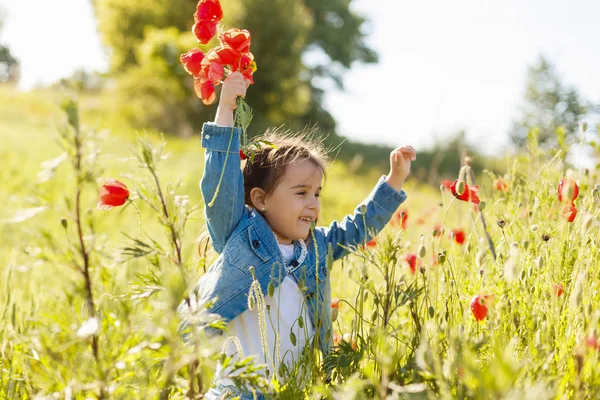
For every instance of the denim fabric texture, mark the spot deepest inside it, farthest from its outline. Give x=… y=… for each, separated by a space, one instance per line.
x=243 y=238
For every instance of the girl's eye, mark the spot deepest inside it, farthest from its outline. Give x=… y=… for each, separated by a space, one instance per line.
x=317 y=194
x=301 y=193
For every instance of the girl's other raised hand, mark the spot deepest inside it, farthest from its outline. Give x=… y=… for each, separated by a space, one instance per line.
x=400 y=159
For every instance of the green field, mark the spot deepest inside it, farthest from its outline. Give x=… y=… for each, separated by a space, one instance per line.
x=407 y=335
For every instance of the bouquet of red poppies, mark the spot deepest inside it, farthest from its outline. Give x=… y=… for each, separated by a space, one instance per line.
x=233 y=53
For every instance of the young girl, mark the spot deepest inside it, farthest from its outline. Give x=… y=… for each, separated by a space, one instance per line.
x=260 y=224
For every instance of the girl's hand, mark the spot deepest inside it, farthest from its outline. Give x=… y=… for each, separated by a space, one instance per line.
x=400 y=160
x=234 y=86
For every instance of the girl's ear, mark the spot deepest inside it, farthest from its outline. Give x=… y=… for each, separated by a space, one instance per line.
x=258 y=199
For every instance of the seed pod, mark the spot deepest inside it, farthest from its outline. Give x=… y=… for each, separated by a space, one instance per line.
x=300 y=322
x=539 y=263
x=460 y=188
x=271 y=289
x=431 y=311
x=374 y=315
x=292 y=338
x=422 y=251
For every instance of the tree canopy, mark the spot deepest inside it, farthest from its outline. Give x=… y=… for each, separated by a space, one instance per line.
x=549 y=106
x=296 y=43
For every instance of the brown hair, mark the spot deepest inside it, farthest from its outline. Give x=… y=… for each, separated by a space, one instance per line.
x=272 y=153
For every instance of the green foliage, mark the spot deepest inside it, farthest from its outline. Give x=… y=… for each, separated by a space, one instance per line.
x=285 y=90
x=548 y=106
x=399 y=335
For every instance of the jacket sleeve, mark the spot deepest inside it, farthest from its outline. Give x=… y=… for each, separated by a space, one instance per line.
x=369 y=218
x=224 y=166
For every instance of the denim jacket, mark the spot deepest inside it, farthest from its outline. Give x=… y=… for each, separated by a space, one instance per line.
x=243 y=239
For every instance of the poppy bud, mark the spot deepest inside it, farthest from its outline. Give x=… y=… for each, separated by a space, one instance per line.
x=422 y=251
x=584 y=127
x=482 y=206
x=63 y=222
x=534 y=228
x=442 y=257
x=539 y=263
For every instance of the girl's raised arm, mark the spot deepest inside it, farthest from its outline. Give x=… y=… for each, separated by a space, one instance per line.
x=222 y=183
x=374 y=213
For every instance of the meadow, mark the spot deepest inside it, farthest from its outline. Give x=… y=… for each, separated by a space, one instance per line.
x=451 y=300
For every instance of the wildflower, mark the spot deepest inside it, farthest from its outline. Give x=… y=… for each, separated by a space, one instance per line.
x=458 y=235
x=412 y=260
x=501 y=185
x=592 y=342
x=209 y=11
x=400 y=217
x=207 y=16
x=242 y=155
x=204 y=31
x=372 y=243
x=479 y=306
x=468 y=194
x=335 y=308
x=437 y=230
x=569 y=212
x=567 y=190
x=191 y=61
x=237 y=39
x=557 y=289
x=112 y=194
x=205 y=91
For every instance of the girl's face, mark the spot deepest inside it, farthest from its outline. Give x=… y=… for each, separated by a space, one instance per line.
x=294 y=204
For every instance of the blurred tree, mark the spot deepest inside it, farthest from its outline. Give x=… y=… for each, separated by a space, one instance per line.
x=297 y=44
x=9 y=65
x=549 y=105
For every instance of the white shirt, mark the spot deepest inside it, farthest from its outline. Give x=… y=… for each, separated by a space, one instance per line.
x=286 y=305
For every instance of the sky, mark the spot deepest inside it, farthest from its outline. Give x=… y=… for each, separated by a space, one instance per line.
x=444 y=65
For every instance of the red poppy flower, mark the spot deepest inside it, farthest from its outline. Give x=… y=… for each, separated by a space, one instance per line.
x=557 y=289
x=469 y=193
x=569 y=212
x=227 y=55
x=501 y=185
x=372 y=243
x=412 y=261
x=192 y=61
x=215 y=72
x=247 y=66
x=459 y=235
x=206 y=91
x=242 y=155
x=112 y=194
x=237 y=39
x=567 y=190
x=479 y=306
x=209 y=11
x=592 y=342
x=400 y=217
x=204 y=31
